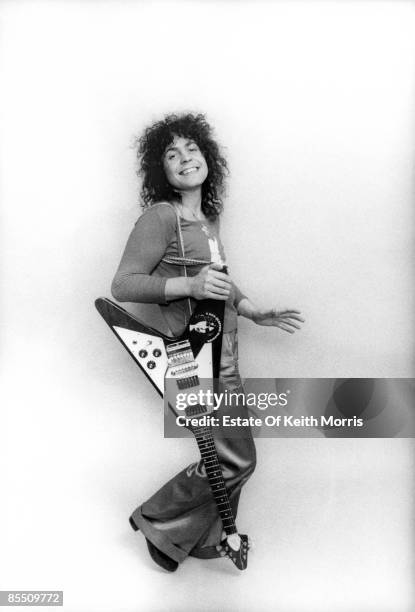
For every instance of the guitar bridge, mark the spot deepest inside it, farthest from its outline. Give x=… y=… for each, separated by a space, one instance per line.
x=183 y=366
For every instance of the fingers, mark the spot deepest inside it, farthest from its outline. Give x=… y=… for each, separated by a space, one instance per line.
x=286 y=327
x=216 y=266
x=287 y=324
x=215 y=296
x=291 y=314
x=217 y=285
x=291 y=323
x=220 y=276
x=211 y=283
x=295 y=317
x=213 y=272
x=216 y=291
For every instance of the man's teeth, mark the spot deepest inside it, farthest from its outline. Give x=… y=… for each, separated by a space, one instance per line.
x=188 y=170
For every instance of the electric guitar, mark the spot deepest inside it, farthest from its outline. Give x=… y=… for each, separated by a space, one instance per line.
x=180 y=363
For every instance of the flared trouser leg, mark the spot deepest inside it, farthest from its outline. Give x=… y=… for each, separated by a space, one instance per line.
x=181 y=518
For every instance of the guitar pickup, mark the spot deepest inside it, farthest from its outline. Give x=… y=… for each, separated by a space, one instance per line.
x=184 y=369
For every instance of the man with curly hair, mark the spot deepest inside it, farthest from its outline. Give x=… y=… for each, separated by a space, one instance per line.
x=183 y=177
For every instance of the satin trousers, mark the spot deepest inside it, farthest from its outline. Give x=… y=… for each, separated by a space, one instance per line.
x=181 y=518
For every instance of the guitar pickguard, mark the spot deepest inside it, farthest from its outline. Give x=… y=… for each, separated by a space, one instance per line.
x=149 y=353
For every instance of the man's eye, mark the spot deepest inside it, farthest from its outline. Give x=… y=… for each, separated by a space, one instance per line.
x=171 y=156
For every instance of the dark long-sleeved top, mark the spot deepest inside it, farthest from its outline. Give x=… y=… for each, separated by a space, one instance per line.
x=142 y=275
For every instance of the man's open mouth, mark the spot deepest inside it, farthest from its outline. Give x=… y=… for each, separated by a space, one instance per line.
x=189 y=170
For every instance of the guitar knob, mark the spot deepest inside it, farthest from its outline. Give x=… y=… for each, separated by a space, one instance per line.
x=151 y=365
x=157 y=352
x=143 y=354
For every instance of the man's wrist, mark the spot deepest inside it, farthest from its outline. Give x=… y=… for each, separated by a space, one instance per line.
x=178 y=287
x=246 y=308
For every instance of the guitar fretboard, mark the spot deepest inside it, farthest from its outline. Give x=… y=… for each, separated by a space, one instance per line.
x=208 y=452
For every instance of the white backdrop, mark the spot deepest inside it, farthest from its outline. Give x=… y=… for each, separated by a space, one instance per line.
x=314 y=104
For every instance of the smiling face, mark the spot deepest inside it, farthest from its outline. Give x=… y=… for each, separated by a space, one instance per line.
x=184 y=164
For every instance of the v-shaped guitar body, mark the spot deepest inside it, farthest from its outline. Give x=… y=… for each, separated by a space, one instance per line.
x=147 y=346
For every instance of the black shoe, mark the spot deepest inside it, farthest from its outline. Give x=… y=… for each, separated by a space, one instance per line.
x=161 y=558
x=133 y=525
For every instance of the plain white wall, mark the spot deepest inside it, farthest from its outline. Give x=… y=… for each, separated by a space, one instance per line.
x=314 y=103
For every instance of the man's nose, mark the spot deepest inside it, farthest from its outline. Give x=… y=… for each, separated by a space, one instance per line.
x=185 y=156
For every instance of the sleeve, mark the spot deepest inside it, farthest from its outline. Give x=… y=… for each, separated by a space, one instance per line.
x=145 y=248
x=238 y=295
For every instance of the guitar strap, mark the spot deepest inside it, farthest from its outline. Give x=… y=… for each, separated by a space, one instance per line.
x=183 y=261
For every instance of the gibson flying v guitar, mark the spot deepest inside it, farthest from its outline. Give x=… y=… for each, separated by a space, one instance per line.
x=180 y=364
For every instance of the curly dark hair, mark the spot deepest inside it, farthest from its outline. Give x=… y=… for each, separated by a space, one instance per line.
x=150 y=150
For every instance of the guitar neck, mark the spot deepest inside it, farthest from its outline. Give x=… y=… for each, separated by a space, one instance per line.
x=183 y=368
x=208 y=452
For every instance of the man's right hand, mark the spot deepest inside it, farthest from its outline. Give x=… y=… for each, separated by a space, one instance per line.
x=210 y=283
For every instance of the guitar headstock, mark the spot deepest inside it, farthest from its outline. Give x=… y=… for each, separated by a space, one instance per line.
x=238 y=555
